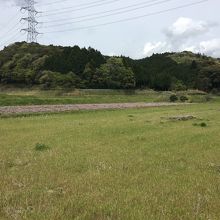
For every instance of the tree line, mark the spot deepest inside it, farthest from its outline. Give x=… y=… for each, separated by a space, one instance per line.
x=86 y=68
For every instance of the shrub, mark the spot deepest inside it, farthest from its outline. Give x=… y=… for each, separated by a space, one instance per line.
x=203 y=124
x=183 y=98
x=41 y=147
x=173 y=98
x=208 y=98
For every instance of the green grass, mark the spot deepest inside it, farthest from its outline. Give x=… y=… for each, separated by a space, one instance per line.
x=8 y=100
x=38 y=97
x=122 y=164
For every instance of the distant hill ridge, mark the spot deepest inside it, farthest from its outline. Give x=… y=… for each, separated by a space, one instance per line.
x=74 y=67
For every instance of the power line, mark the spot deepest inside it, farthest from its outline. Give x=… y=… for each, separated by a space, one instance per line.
x=79 y=9
x=103 y=12
x=14 y=38
x=116 y=13
x=87 y=5
x=61 y=1
x=130 y=19
x=11 y=29
x=12 y=19
x=15 y=17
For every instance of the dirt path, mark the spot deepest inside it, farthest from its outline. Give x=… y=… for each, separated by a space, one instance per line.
x=12 y=110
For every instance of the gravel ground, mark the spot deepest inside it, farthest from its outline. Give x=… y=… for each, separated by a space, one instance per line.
x=12 y=110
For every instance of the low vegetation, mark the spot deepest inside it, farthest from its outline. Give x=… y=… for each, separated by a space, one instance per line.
x=121 y=164
x=173 y=98
x=17 y=97
x=41 y=147
x=154 y=163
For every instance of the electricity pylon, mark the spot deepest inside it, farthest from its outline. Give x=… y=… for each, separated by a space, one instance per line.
x=31 y=20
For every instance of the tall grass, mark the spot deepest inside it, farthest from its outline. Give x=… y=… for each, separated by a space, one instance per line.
x=122 y=164
x=39 y=97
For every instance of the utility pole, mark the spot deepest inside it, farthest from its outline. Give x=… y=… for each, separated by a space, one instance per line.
x=31 y=21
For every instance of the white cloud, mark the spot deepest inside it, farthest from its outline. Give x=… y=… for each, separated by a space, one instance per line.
x=183 y=35
x=156 y=47
x=184 y=28
x=211 y=47
x=189 y=48
x=111 y=54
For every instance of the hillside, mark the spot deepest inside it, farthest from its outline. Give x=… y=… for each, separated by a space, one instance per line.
x=26 y=65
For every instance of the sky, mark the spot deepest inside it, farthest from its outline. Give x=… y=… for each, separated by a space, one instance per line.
x=149 y=26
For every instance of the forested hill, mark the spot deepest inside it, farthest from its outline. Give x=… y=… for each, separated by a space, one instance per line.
x=73 y=67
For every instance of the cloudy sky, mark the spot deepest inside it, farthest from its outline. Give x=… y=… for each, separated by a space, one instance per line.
x=151 y=26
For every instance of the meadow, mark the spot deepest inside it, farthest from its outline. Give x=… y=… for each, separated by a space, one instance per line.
x=20 y=97
x=115 y=164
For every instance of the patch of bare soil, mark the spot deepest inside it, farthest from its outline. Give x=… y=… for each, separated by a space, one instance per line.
x=14 y=110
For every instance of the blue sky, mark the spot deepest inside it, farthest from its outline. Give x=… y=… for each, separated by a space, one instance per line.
x=193 y=28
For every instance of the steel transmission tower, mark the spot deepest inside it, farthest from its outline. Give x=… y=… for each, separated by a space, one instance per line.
x=31 y=20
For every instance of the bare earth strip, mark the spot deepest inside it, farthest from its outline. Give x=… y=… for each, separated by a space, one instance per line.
x=11 y=110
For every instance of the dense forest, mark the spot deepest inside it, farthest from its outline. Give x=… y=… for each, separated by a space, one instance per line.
x=23 y=64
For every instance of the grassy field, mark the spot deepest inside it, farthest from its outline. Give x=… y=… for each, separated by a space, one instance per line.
x=122 y=164
x=39 y=97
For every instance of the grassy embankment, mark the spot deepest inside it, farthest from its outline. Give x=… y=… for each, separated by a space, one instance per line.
x=122 y=164
x=38 y=97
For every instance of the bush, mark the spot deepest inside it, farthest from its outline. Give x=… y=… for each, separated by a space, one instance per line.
x=183 y=98
x=173 y=98
x=208 y=98
x=41 y=147
x=203 y=124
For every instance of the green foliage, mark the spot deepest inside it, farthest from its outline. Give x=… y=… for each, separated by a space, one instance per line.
x=50 y=79
x=41 y=147
x=114 y=75
x=183 y=98
x=203 y=124
x=16 y=97
x=173 y=98
x=75 y=67
x=178 y=85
